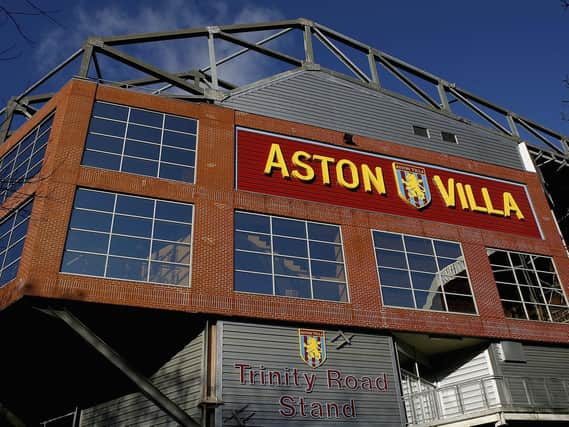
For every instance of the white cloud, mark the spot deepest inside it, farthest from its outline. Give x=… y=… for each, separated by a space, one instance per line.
x=113 y=19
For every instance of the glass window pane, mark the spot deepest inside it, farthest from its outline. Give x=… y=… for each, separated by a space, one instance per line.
x=181 y=124
x=514 y=310
x=520 y=260
x=251 y=261
x=144 y=133
x=418 y=245
x=460 y=304
x=430 y=301
x=455 y=266
x=498 y=257
x=509 y=292
x=139 y=166
x=548 y=280
x=397 y=297
x=526 y=277
x=8 y=273
x=101 y=160
x=252 y=222
x=426 y=281
x=142 y=149
x=146 y=117
x=78 y=263
x=128 y=269
x=327 y=251
x=286 y=246
x=171 y=252
x=14 y=252
x=456 y=285
x=559 y=314
x=292 y=287
x=87 y=241
x=252 y=241
x=327 y=270
x=180 y=140
x=110 y=110
x=422 y=263
x=543 y=264
x=173 y=211
x=330 y=291
x=324 y=232
x=504 y=275
x=447 y=249
x=171 y=274
x=141 y=227
x=107 y=127
x=19 y=231
x=531 y=294
x=177 y=172
x=393 y=277
x=89 y=220
x=172 y=231
x=291 y=266
x=251 y=282
x=388 y=240
x=174 y=155
x=289 y=227
x=391 y=258
x=131 y=205
x=537 y=312
x=130 y=246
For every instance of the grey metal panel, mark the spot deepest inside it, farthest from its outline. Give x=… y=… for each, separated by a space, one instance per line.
x=542 y=374
x=276 y=348
x=323 y=100
x=179 y=379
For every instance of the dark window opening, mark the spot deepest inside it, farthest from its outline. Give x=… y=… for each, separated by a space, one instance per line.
x=421 y=131
x=449 y=137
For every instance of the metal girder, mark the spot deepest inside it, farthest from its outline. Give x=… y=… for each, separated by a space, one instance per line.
x=539 y=136
x=147 y=68
x=341 y=56
x=211 y=52
x=144 y=385
x=196 y=32
x=252 y=46
x=480 y=112
x=408 y=82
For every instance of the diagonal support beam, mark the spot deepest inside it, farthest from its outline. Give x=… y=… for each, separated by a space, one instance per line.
x=408 y=82
x=148 y=69
x=255 y=47
x=146 y=387
x=478 y=111
x=341 y=56
x=531 y=130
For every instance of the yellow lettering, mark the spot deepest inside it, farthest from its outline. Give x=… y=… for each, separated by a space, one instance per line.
x=472 y=202
x=488 y=202
x=340 y=174
x=276 y=160
x=297 y=158
x=447 y=193
x=375 y=178
x=461 y=196
x=324 y=161
x=510 y=206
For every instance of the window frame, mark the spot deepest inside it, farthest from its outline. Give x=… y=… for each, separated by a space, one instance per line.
x=309 y=259
x=519 y=286
x=452 y=134
x=125 y=139
x=151 y=240
x=416 y=128
x=409 y=271
x=12 y=216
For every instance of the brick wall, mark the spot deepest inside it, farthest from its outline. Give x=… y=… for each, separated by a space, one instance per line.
x=215 y=200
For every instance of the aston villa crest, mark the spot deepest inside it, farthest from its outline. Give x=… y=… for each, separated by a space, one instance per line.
x=412 y=184
x=312 y=347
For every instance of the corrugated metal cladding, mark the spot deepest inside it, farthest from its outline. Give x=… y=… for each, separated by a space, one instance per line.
x=538 y=380
x=180 y=379
x=320 y=99
x=355 y=386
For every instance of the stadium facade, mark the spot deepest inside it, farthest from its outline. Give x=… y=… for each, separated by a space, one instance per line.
x=306 y=249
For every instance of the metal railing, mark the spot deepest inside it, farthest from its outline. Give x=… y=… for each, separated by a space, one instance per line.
x=520 y=394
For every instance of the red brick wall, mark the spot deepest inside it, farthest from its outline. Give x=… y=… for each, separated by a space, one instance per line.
x=215 y=200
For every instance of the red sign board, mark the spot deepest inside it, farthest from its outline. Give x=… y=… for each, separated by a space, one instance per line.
x=290 y=167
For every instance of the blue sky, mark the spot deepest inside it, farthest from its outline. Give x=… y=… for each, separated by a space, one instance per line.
x=513 y=53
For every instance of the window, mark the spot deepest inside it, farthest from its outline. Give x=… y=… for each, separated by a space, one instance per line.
x=289 y=257
x=24 y=160
x=528 y=286
x=421 y=273
x=421 y=131
x=13 y=231
x=449 y=137
x=129 y=237
x=141 y=142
